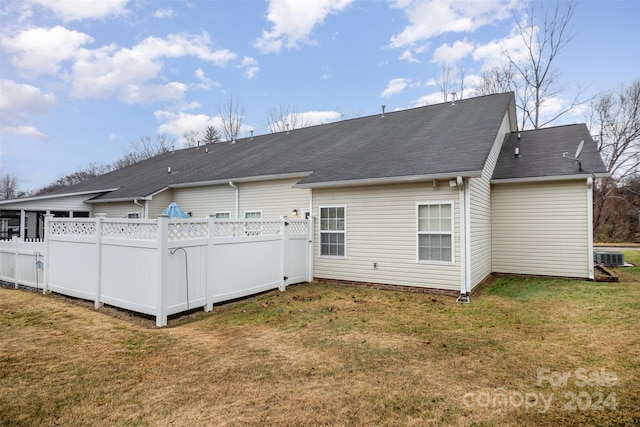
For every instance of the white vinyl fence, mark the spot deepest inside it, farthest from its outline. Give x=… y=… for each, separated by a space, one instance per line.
x=22 y=263
x=163 y=267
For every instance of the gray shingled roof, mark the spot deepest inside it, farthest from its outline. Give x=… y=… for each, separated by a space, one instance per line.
x=541 y=154
x=435 y=140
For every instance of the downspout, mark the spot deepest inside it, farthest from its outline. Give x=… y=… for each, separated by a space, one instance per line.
x=464 y=297
x=143 y=213
x=590 y=227
x=232 y=185
x=467 y=230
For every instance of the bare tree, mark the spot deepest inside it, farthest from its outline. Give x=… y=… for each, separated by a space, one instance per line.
x=615 y=118
x=8 y=187
x=232 y=116
x=497 y=80
x=543 y=42
x=445 y=81
x=616 y=121
x=285 y=117
x=94 y=169
x=191 y=138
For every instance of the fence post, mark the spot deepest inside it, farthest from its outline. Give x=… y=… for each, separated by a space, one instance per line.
x=209 y=272
x=163 y=265
x=47 y=252
x=283 y=255
x=310 y=249
x=16 y=241
x=99 y=218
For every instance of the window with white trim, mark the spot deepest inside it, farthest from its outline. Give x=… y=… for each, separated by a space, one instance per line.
x=223 y=215
x=252 y=214
x=253 y=228
x=333 y=231
x=435 y=232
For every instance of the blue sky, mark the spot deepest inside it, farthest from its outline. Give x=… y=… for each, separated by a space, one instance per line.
x=82 y=79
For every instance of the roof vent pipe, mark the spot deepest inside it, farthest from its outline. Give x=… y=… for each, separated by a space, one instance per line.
x=251 y=135
x=287 y=125
x=168 y=169
x=518 y=135
x=453 y=98
x=383 y=107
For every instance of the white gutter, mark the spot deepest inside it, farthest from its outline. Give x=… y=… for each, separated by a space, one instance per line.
x=79 y=193
x=548 y=178
x=590 y=227
x=243 y=179
x=232 y=185
x=121 y=199
x=389 y=180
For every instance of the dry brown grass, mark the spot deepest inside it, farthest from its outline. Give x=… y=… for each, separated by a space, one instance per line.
x=324 y=355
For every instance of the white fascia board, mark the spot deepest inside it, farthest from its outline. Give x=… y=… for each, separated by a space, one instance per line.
x=121 y=199
x=549 y=178
x=225 y=181
x=390 y=180
x=56 y=196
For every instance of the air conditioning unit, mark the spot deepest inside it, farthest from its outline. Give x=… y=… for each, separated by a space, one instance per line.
x=609 y=259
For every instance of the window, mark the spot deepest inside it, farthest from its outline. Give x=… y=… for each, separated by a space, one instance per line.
x=223 y=215
x=332 y=231
x=253 y=228
x=133 y=215
x=252 y=214
x=435 y=232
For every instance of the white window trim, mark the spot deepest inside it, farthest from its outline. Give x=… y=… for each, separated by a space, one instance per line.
x=332 y=231
x=244 y=214
x=452 y=232
x=215 y=214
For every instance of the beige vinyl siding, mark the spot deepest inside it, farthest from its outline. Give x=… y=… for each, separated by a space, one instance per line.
x=206 y=200
x=159 y=203
x=541 y=228
x=275 y=198
x=480 y=211
x=116 y=209
x=381 y=227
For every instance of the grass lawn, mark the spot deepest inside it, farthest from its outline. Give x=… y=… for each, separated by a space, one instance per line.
x=525 y=352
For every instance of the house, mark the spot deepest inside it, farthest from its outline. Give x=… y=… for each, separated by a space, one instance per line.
x=435 y=197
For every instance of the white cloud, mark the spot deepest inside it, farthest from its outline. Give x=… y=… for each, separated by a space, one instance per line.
x=21 y=98
x=42 y=50
x=165 y=12
x=312 y=118
x=293 y=21
x=177 y=124
x=431 y=18
x=74 y=10
x=102 y=72
x=205 y=82
x=250 y=67
x=395 y=87
x=451 y=54
x=432 y=98
x=17 y=102
x=492 y=54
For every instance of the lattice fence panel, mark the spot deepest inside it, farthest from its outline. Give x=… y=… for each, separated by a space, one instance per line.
x=247 y=228
x=75 y=228
x=298 y=227
x=188 y=231
x=130 y=230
